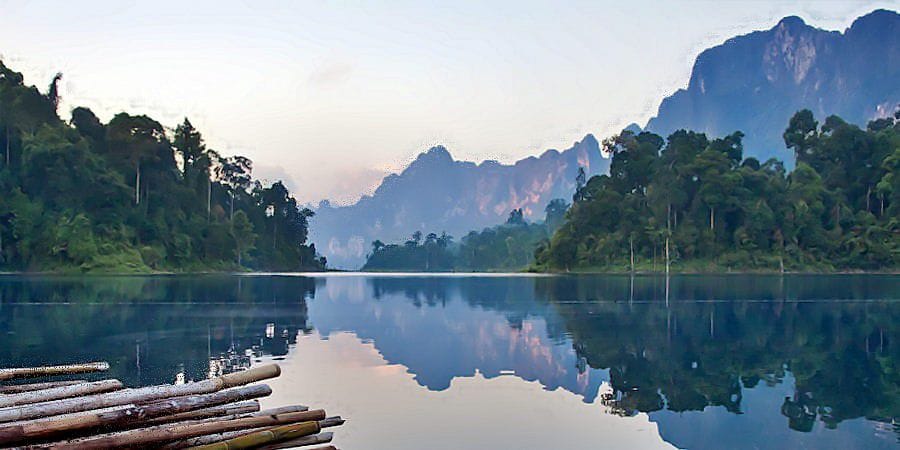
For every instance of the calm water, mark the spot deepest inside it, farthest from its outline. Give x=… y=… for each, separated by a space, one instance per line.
x=506 y=362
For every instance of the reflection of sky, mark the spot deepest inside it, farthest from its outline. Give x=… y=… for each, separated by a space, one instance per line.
x=440 y=361
x=453 y=339
x=385 y=408
x=722 y=429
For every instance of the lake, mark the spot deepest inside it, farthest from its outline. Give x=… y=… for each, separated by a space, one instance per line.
x=492 y=361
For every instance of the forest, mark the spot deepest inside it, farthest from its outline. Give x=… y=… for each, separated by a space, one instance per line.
x=509 y=246
x=695 y=204
x=131 y=195
x=689 y=203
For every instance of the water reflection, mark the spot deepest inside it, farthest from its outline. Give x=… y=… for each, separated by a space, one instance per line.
x=816 y=350
x=699 y=361
x=150 y=328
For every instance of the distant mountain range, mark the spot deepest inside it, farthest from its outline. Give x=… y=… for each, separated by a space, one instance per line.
x=437 y=193
x=753 y=83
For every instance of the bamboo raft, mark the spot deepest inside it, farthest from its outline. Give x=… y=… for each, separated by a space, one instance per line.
x=213 y=414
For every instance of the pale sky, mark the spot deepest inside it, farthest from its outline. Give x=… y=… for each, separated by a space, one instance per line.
x=331 y=96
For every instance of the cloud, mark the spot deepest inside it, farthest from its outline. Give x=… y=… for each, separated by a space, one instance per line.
x=270 y=174
x=330 y=74
x=340 y=185
x=351 y=183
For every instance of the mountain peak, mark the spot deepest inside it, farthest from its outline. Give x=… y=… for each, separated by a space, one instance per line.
x=755 y=82
x=588 y=140
x=791 y=22
x=436 y=154
x=876 y=22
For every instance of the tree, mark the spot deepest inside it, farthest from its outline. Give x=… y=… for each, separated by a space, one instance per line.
x=800 y=135
x=555 y=214
x=189 y=144
x=53 y=91
x=88 y=125
x=136 y=140
x=235 y=173
x=244 y=237
x=580 y=182
x=516 y=217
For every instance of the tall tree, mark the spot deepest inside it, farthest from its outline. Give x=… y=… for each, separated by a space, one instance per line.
x=244 y=237
x=136 y=141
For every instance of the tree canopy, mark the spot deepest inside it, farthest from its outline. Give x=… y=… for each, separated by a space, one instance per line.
x=697 y=204
x=132 y=195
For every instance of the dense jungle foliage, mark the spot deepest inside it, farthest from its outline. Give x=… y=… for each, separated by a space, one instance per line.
x=700 y=202
x=132 y=196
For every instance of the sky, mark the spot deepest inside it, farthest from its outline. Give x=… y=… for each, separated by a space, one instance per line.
x=332 y=96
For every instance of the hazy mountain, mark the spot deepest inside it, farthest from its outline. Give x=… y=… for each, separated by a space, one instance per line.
x=437 y=193
x=754 y=83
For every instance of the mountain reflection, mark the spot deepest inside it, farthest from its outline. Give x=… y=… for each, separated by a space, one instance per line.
x=803 y=350
x=685 y=345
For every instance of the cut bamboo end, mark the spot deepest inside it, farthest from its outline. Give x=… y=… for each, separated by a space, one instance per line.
x=269 y=435
x=335 y=421
x=67 y=369
x=282 y=410
x=251 y=375
x=315 y=439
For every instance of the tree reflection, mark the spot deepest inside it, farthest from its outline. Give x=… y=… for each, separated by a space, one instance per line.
x=707 y=344
x=149 y=328
x=692 y=342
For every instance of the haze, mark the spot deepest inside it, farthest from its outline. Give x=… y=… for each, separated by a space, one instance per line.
x=330 y=97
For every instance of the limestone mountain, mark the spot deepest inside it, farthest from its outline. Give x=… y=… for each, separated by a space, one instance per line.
x=437 y=193
x=754 y=83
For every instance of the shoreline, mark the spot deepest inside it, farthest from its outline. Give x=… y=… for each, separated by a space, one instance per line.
x=457 y=273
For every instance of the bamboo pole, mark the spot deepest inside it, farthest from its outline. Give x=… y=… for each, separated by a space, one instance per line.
x=207 y=439
x=267 y=436
x=68 y=369
x=271 y=435
x=315 y=439
x=144 y=437
x=281 y=410
x=64 y=416
x=216 y=437
x=56 y=393
x=19 y=388
x=123 y=418
x=139 y=395
x=250 y=406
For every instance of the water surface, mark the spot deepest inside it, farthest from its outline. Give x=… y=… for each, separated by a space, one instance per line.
x=505 y=361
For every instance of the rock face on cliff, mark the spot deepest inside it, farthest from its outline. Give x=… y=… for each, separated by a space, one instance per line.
x=754 y=83
x=437 y=193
